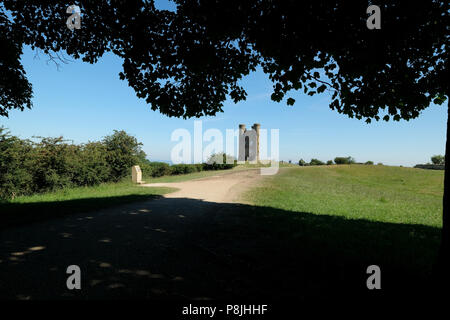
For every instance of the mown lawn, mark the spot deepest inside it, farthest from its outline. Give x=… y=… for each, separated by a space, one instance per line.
x=374 y=193
x=25 y=209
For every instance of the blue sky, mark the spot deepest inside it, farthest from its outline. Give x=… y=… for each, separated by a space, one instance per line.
x=86 y=102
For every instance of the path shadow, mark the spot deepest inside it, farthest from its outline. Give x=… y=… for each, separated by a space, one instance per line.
x=175 y=249
x=15 y=214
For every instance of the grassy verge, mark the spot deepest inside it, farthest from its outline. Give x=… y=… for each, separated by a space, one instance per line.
x=43 y=206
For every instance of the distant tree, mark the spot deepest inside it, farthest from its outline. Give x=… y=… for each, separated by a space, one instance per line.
x=369 y=162
x=330 y=162
x=316 y=162
x=301 y=162
x=379 y=164
x=438 y=159
x=344 y=160
x=220 y=158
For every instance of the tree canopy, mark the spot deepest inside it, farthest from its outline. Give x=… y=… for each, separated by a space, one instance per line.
x=186 y=63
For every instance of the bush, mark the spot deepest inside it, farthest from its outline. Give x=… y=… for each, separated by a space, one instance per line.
x=190 y=168
x=147 y=169
x=178 y=169
x=344 y=160
x=184 y=168
x=160 y=169
x=15 y=158
x=28 y=167
x=316 y=162
x=217 y=166
x=55 y=164
x=92 y=165
x=329 y=162
x=369 y=162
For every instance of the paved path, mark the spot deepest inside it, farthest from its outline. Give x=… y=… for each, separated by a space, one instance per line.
x=152 y=249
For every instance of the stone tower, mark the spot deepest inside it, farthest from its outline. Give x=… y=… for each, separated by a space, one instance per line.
x=249 y=143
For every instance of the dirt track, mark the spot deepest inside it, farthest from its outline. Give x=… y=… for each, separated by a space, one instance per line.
x=224 y=188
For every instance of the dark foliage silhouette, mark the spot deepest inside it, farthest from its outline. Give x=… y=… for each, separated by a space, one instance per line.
x=186 y=63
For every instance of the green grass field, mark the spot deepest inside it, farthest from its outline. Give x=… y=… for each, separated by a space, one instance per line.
x=347 y=217
x=42 y=206
x=374 y=193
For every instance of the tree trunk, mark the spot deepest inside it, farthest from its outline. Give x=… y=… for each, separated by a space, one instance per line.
x=442 y=270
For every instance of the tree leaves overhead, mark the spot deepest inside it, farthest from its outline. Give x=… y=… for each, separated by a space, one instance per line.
x=186 y=63
x=15 y=90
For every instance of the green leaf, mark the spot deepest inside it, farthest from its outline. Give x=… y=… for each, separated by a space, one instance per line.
x=439 y=100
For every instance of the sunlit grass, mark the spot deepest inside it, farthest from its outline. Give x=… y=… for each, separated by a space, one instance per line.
x=375 y=193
